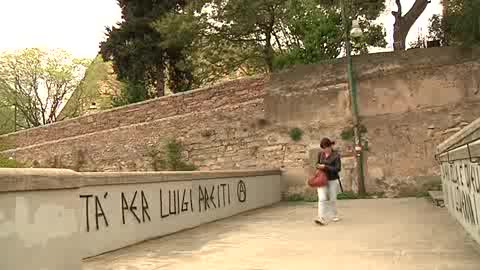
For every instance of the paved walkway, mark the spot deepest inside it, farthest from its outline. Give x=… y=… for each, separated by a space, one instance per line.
x=403 y=234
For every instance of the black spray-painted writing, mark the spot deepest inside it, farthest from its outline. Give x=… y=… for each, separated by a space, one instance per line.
x=171 y=203
x=467 y=206
x=215 y=197
x=98 y=210
x=462 y=189
x=132 y=207
x=174 y=205
x=241 y=191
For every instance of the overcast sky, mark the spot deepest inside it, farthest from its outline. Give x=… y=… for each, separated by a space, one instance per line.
x=79 y=26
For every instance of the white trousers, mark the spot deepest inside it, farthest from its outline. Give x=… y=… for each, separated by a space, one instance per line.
x=327 y=198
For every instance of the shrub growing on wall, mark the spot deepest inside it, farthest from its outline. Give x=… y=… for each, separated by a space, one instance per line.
x=7 y=162
x=169 y=157
x=348 y=133
x=296 y=134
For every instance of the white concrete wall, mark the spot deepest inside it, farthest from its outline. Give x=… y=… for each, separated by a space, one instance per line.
x=40 y=230
x=460 y=168
x=49 y=228
x=141 y=218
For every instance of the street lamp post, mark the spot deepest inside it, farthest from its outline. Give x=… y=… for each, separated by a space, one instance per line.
x=353 y=29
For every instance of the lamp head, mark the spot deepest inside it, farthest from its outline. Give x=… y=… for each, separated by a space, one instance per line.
x=356 y=30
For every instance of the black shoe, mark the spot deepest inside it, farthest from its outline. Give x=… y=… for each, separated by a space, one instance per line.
x=320 y=222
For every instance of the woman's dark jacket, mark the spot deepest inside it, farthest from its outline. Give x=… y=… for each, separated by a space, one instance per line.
x=333 y=164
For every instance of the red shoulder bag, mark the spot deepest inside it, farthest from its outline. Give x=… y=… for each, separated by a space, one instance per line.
x=319 y=179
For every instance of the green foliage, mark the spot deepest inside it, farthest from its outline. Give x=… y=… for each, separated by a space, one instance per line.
x=295 y=198
x=296 y=134
x=460 y=27
x=348 y=133
x=348 y=195
x=422 y=194
x=354 y=196
x=317 y=34
x=465 y=23
x=130 y=92
x=245 y=27
x=141 y=54
x=274 y=34
x=190 y=45
x=37 y=82
x=437 y=29
x=99 y=86
x=169 y=157
x=179 y=30
x=7 y=118
x=8 y=162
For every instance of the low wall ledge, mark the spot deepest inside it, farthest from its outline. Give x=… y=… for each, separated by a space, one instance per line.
x=467 y=134
x=38 y=179
x=16 y=180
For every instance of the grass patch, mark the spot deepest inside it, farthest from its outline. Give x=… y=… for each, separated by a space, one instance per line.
x=7 y=162
x=295 y=198
x=341 y=196
x=422 y=194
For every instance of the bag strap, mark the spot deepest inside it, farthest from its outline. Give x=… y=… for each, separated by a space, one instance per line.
x=320 y=156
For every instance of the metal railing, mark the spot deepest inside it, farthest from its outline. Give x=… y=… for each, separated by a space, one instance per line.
x=471 y=158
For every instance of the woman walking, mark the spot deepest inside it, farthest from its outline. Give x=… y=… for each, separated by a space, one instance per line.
x=329 y=162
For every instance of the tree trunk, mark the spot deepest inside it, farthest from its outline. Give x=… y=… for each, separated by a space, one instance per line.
x=403 y=24
x=269 y=54
x=160 y=81
x=399 y=36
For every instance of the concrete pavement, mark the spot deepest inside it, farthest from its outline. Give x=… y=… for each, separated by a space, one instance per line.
x=387 y=234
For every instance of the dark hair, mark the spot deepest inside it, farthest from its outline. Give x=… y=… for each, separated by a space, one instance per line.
x=326 y=142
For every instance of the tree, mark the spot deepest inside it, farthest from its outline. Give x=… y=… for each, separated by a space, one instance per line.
x=463 y=22
x=38 y=82
x=437 y=29
x=403 y=23
x=250 y=23
x=203 y=56
x=179 y=30
x=459 y=25
x=270 y=34
x=318 y=33
x=134 y=47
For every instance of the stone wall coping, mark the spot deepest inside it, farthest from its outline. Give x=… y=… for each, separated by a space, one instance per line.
x=38 y=179
x=17 y=180
x=462 y=153
x=468 y=133
x=331 y=72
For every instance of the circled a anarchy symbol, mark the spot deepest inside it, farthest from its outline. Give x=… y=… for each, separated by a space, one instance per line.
x=241 y=191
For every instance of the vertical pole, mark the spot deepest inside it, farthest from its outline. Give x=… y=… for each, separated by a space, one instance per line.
x=353 y=95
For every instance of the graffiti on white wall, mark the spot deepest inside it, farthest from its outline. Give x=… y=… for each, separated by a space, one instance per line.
x=461 y=185
x=136 y=205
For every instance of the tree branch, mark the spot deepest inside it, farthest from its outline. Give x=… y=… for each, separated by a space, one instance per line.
x=417 y=9
x=399 y=10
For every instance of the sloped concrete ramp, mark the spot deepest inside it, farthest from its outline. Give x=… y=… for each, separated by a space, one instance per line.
x=386 y=234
